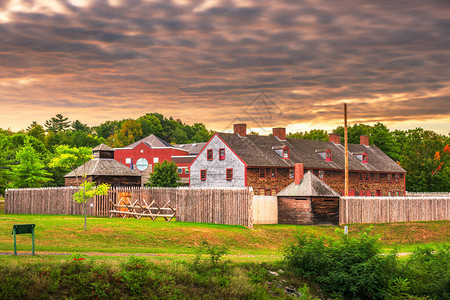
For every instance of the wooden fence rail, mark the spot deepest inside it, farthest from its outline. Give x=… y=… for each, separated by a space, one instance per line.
x=393 y=209
x=222 y=206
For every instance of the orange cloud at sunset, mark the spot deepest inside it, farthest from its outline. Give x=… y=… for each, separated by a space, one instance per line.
x=206 y=61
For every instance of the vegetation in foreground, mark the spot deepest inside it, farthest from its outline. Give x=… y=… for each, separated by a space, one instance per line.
x=355 y=268
x=79 y=277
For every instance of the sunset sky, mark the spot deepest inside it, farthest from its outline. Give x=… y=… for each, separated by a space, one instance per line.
x=286 y=63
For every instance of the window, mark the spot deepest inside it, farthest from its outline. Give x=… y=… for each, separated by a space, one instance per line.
x=229 y=174
x=186 y=171
x=361 y=193
x=128 y=160
x=203 y=175
x=321 y=174
x=262 y=173
x=389 y=193
x=291 y=173
x=209 y=154
x=273 y=173
x=268 y=192
x=351 y=192
x=397 y=178
x=397 y=193
x=262 y=191
x=180 y=171
x=286 y=153
x=368 y=194
x=378 y=193
x=376 y=177
x=328 y=155
x=367 y=176
x=360 y=176
x=364 y=158
x=155 y=160
x=222 y=154
x=389 y=177
x=274 y=192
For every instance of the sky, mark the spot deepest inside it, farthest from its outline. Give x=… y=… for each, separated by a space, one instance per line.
x=290 y=63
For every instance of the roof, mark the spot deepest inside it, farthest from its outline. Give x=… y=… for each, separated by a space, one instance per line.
x=102 y=167
x=310 y=186
x=151 y=140
x=102 y=147
x=193 y=149
x=260 y=151
x=183 y=159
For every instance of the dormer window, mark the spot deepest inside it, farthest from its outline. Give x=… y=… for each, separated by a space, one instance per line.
x=282 y=151
x=362 y=157
x=325 y=154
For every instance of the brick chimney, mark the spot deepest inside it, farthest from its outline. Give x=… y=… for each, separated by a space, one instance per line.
x=298 y=173
x=240 y=129
x=334 y=137
x=280 y=133
x=364 y=140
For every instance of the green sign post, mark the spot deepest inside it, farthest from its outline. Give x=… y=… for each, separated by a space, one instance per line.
x=22 y=229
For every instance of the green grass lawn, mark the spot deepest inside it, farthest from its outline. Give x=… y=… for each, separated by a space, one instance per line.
x=265 y=242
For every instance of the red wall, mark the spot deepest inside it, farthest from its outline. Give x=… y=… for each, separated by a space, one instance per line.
x=148 y=153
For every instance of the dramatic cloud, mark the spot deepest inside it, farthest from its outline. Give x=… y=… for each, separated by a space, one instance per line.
x=267 y=63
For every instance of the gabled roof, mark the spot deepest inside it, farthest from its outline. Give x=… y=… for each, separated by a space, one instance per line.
x=102 y=147
x=151 y=140
x=258 y=151
x=193 y=149
x=309 y=186
x=103 y=167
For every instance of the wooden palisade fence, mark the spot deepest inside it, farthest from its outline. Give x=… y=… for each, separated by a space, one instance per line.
x=393 y=209
x=222 y=206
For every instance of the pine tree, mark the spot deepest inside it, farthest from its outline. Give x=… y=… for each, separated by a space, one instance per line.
x=30 y=172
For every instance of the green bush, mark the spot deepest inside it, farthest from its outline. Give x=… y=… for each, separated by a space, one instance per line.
x=349 y=267
x=428 y=270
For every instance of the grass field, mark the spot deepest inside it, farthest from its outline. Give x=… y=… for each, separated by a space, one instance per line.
x=265 y=242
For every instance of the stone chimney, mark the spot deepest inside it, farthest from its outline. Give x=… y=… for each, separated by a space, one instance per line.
x=334 y=137
x=240 y=129
x=280 y=133
x=364 y=140
x=298 y=173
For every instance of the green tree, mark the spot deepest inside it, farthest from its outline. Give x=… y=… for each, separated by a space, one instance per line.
x=107 y=129
x=37 y=131
x=354 y=132
x=5 y=172
x=425 y=156
x=70 y=158
x=130 y=132
x=150 y=124
x=164 y=175
x=314 y=134
x=57 y=124
x=30 y=172
x=384 y=139
x=89 y=190
x=78 y=126
x=180 y=136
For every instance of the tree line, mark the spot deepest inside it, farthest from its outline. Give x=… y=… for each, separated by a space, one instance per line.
x=26 y=155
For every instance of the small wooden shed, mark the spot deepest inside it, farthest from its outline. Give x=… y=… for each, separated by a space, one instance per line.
x=308 y=201
x=103 y=168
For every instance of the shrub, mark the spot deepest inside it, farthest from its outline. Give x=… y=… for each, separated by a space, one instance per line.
x=428 y=271
x=349 y=267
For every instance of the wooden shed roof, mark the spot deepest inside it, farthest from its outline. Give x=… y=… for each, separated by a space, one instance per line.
x=102 y=167
x=310 y=186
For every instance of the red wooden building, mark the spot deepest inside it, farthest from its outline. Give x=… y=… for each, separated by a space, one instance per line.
x=142 y=155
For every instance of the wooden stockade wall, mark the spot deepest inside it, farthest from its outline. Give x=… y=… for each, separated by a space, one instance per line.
x=222 y=206
x=393 y=209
